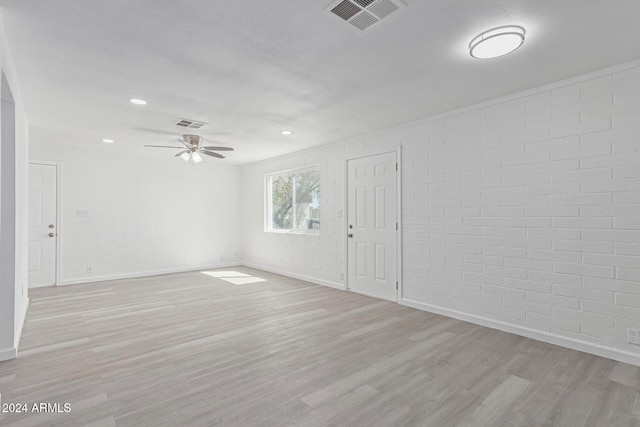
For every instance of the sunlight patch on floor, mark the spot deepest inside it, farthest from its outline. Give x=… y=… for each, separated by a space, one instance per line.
x=234 y=277
x=221 y=274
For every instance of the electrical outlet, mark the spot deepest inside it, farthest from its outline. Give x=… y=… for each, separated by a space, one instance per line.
x=633 y=336
x=89 y=270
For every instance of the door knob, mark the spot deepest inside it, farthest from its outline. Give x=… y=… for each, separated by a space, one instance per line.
x=51 y=235
x=51 y=226
x=350 y=235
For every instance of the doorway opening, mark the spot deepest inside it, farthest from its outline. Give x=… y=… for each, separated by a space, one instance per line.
x=8 y=204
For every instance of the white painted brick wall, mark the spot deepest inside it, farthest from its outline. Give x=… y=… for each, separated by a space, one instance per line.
x=523 y=210
x=146 y=214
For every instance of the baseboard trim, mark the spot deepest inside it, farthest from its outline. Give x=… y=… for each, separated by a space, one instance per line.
x=133 y=275
x=23 y=319
x=310 y=279
x=8 y=354
x=584 y=346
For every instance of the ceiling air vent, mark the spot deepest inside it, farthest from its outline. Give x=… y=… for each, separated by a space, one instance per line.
x=383 y=8
x=363 y=21
x=364 y=3
x=345 y=9
x=362 y=14
x=191 y=124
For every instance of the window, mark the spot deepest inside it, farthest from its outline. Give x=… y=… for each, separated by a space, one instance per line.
x=293 y=201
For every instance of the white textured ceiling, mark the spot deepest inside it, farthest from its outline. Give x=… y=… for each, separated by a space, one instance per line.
x=252 y=68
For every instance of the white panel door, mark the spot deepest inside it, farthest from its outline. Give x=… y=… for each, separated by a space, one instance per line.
x=42 y=225
x=371 y=226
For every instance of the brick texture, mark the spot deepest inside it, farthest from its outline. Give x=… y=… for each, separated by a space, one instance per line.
x=523 y=210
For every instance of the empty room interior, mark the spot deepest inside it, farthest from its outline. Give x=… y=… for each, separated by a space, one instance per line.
x=316 y=213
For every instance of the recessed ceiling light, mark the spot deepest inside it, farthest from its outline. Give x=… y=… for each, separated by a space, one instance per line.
x=138 y=101
x=108 y=141
x=497 y=42
x=286 y=132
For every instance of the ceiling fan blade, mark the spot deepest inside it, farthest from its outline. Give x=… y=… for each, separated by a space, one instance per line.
x=183 y=142
x=181 y=153
x=219 y=148
x=208 y=153
x=161 y=146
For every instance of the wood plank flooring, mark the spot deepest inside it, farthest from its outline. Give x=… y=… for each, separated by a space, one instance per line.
x=195 y=350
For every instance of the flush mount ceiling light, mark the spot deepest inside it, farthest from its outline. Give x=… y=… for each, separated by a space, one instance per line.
x=286 y=132
x=108 y=141
x=138 y=101
x=497 y=42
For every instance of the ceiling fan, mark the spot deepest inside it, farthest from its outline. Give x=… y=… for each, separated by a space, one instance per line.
x=192 y=149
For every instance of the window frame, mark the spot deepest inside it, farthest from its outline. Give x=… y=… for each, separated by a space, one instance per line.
x=268 y=205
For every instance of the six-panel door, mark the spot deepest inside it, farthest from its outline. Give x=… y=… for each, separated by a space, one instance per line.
x=371 y=216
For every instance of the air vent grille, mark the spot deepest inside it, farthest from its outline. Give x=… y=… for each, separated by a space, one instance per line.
x=191 y=124
x=346 y=10
x=363 y=21
x=362 y=14
x=364 y=3
x=383 y=8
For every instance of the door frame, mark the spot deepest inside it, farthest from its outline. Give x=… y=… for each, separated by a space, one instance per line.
x=58 y=167
x=360 y=155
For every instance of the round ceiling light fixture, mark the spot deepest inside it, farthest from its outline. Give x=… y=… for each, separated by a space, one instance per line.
x=108 y=141
x=286 y=132
x=497 y=42
x=138 y=101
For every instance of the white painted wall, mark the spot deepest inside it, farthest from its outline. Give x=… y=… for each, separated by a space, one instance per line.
x=307 y=256
x=13 y=200
x=148 y=215
x=522 y=213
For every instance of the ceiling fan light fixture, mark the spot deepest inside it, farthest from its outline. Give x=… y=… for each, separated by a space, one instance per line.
x=192 y=149
x=497 y=42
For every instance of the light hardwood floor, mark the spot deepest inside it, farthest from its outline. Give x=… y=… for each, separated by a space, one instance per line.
x=191 y=349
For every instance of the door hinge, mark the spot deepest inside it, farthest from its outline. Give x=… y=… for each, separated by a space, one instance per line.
x=396 y=285
x=396 y=226
x=396 y=167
